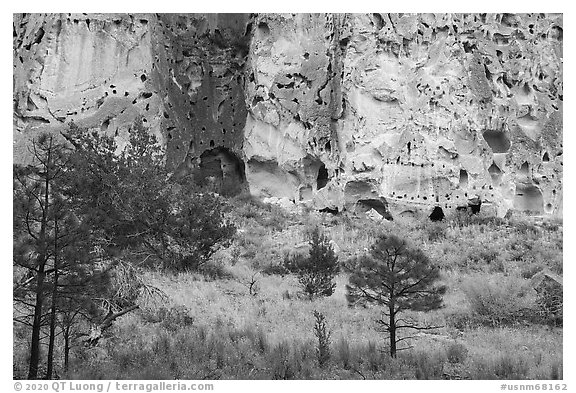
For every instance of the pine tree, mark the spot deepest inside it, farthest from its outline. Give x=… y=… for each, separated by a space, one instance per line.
x=53 y=261
x=399 y=279
x=140 y=211
x=60 y=223
x=86 y=216
x=36 y=211
x=316 y=273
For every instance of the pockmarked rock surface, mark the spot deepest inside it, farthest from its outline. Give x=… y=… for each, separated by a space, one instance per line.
x=379 y=113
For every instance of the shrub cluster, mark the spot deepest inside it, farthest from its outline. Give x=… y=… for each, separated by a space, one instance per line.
x=316 y=272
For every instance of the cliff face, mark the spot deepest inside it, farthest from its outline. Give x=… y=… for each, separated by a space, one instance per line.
x=182 y=75
x=389 y=112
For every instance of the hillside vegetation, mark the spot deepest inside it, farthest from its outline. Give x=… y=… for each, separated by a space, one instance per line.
x=176 y=281
x=248 y=317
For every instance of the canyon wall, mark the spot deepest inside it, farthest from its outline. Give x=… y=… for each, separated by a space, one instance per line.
x=397 y=113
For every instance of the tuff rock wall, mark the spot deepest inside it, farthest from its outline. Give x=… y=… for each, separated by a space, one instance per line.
x=391 y=112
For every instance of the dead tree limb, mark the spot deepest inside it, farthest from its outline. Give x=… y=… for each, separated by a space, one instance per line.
x=96 y=331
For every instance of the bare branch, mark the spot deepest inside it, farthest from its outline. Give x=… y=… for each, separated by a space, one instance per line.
x=97 y=330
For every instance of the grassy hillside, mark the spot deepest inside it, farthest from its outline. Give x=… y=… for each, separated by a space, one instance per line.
x=212 y=327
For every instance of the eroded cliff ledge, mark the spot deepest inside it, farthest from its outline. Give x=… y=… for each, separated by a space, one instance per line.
x=391 y=112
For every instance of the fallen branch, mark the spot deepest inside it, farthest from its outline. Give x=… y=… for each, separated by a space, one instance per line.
x=96 y=331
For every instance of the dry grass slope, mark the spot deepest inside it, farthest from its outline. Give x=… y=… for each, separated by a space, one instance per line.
x=213 y=327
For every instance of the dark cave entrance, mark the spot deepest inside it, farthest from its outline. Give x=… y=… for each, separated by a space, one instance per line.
x=529 y=198
x=463 y=179
x=322 y=178
x=475 y=204
x=497 y=140
x=333 y=211
x=437 y=214
x=221 y=171
x=495 y=173
x=378 y=204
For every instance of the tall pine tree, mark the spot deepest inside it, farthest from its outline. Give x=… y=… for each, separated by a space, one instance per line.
x=399 y=279
x=36 y=211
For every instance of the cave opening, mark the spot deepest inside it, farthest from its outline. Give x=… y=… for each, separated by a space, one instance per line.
x=104 y=126
x=524 y=169
x=263 y=28
x=333 y=211
x=463 y=180
x=379 y=205
x=475 y=204
x=322 y=179
x=221 y=171
x=437 y=214
x=497 y=140
x=545 y=157
x=528 y=198
x=495 y=173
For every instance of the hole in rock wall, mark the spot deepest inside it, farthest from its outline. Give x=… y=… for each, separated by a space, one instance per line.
x=322 y=178
x=378 y=21
x=463 y=181
x=221 y=171
x=524 y=169
x=528 y=198
x=546 y=157
x=379 y=205
x=330 y=210
x=263 y=28
x=105 y=125
x=358 y=189
x=474 y=204
x=31 y=105
x=497 y=140
x=556 y=32
x=437 y=214
x=495 y=173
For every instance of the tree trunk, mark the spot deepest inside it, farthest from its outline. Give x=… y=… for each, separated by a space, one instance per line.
x=392 y=330
x=41 y=264
x=35 y=344
x=66 y=347
x=50 y=361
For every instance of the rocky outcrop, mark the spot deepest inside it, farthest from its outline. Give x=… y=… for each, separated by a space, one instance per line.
x=181 y=75
x=418 y=111
x=375 y=112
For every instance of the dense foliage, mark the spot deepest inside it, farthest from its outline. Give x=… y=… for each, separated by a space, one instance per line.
x=88 y=216
x=316 y=272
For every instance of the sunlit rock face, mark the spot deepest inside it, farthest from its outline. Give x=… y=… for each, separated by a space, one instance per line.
x=382 y=112
x=92 y=69
x=419 y=111
x=181 y=74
